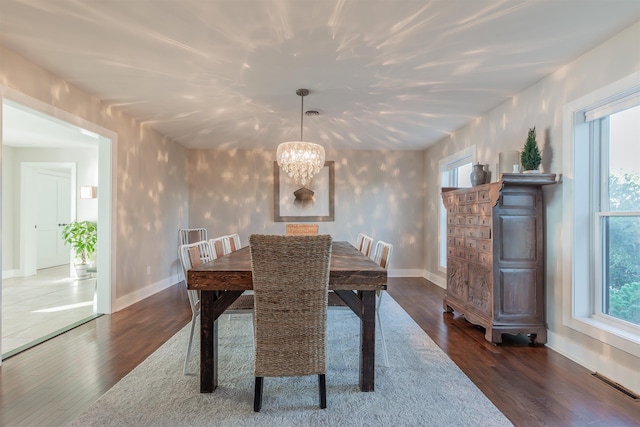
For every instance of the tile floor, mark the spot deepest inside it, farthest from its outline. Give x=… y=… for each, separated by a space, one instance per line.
x=38 y=307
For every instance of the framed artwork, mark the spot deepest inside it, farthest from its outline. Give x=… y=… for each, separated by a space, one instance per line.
x=311 y=203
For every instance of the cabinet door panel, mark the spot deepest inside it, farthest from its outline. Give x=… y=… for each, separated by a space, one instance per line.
x=518 y=238
x=518 y=294
x=480 y=288
x=457 y=278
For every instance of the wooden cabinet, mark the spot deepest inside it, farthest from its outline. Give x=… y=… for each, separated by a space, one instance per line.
x=495 y=255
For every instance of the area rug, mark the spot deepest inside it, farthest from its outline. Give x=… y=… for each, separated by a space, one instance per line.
x=421 y=387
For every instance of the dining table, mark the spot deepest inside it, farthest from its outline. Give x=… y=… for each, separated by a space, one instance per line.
x=353 y=276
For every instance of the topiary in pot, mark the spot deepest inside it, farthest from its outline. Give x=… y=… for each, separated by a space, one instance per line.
x=530 y=157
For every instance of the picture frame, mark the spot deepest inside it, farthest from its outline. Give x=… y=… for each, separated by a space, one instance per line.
x=312 y=203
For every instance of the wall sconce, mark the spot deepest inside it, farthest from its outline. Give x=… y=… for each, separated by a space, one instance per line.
x=88 y=192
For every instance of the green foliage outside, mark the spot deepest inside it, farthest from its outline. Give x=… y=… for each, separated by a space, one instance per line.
x=623 y=274
x=530 y=157
x=82 y=237
x=624 y=302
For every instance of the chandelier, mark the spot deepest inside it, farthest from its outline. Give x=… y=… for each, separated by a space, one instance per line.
x=300 y=160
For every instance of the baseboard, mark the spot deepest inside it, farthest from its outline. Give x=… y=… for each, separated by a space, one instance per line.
x=8 y=274
x=595 y=362
x=405 y=273
x=436 y=278
x=147 y=291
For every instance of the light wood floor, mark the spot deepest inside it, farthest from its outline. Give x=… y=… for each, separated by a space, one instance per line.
x=55 y=381
x=34 y=308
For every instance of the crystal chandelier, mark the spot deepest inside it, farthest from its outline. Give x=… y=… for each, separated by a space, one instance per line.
x=300 y=160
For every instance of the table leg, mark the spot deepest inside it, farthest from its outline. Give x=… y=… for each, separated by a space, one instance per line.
x=367 y=340
x=208 y=343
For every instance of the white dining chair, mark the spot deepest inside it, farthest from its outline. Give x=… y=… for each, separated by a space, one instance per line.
x=192 y=235
x=382 y=257
x=364 y=244
x=233 y=242
x=219 y=246
x=192 y=255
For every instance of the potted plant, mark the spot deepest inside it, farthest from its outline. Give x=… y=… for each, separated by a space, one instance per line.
x=530 y=157
x=82 y=237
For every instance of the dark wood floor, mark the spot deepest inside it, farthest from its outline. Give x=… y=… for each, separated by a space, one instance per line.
x=55 y=381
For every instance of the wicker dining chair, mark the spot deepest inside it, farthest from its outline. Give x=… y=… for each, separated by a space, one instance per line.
x=302 y=229
x=382 y=257
x=290 y=283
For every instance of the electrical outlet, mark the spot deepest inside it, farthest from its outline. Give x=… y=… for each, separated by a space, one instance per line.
x=148 y=270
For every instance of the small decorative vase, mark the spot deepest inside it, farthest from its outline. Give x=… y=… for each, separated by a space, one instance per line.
x=487 y=174
x=477 y=175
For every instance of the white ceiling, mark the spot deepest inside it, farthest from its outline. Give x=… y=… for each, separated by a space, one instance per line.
x=383 y=74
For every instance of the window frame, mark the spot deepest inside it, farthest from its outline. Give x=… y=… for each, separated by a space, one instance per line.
x=580 y=309
x=447 y=165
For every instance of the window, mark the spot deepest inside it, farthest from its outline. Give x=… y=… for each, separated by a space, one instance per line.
x=455 y=171
x=616 y=215
x=601 y=168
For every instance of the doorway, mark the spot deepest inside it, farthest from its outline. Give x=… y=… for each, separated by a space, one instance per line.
x=41 y=199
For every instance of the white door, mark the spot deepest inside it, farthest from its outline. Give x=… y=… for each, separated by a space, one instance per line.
x=53 y=213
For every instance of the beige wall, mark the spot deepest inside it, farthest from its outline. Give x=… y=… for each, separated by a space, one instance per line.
x=505 y=128
x=150 y=182
x=378 y=193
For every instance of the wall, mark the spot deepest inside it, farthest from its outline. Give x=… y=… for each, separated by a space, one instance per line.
x=505 y=128
x=150 y=192
x=378 y=193
x=9 y=250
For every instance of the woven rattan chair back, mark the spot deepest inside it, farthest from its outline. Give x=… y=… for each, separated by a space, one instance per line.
x=290 y=282
x=302 y=229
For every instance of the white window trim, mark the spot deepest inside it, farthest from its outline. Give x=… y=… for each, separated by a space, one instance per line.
x=462 y=157
x=577 y=310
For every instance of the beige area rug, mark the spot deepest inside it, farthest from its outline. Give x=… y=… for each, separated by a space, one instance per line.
x=422 y=386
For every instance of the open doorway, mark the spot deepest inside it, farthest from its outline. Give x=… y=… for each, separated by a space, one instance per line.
x=47 y=154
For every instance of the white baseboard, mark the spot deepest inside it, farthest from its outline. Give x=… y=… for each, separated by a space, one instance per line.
x=437 y=279
x=626 y=376
x=8 y=274
x=147 y=291
x=405 y=273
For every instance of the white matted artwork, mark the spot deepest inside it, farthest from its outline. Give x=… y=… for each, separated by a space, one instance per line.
x=296 y=203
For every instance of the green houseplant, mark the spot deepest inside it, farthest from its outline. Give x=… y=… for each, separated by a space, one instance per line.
x=530 y=157
x=82 y=237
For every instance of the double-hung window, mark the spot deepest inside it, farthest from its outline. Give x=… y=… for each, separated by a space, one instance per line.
x=455 y=171
x=615 y=136
x=603 y=167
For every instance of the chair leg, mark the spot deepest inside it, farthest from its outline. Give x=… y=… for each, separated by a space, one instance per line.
x=384 y=343
x=257 y=398
x=186 y=361
x=323 y=390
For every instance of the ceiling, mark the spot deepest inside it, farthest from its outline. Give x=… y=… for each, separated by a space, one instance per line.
x=396 y=75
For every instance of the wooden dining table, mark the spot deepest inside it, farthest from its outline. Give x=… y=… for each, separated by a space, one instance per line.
x=354 y=277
